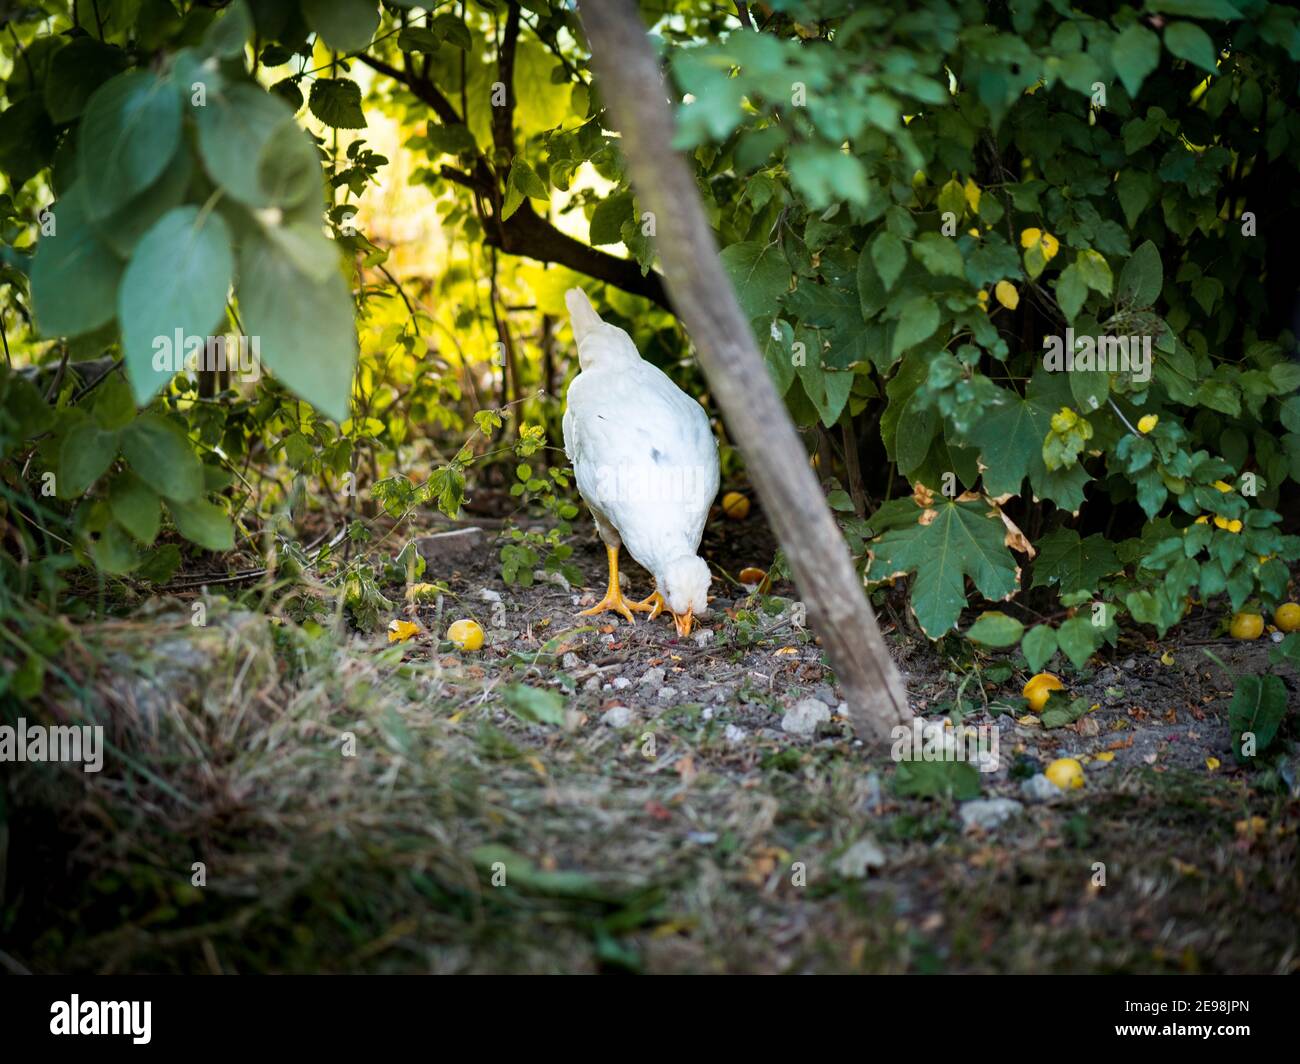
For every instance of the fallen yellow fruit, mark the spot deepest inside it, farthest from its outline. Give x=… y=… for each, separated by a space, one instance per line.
x=735 y=506
x=1246 y=626
x=401 y=631
x=1287 y=617
x=466 y=634
x=1066 y=773
x=1039 y=688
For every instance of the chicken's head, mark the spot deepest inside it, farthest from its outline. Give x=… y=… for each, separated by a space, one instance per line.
x=684 y=584
x=598 y=341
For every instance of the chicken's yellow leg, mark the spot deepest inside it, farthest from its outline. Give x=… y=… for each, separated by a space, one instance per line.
x=654 y=605
x=613 y=599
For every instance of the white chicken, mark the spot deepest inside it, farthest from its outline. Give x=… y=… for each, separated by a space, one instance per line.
x=646 y=463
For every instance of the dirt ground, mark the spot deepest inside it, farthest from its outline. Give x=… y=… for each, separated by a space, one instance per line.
x=700 y=805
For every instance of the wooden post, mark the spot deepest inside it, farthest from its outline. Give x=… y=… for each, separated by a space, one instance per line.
x=701 y=294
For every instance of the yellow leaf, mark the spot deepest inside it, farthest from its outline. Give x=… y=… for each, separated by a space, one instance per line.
x=1007 y=294
x=1212 y=763
x=401 y=631
x=1167 y=658
x=786 y=651
x=1225 y=488
x=1030 y=237
x=1105 y=755
x=972 y=191
x=1050 y=246
x=1146 y=424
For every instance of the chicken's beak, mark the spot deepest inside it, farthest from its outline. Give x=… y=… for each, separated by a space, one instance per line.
x=683 y=621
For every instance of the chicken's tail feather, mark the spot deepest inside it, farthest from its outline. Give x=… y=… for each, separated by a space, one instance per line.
x=582 y=315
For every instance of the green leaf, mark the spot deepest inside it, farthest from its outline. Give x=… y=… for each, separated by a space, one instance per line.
x=917 y=322
x=307 y=332
x=114 y=553
x=203 y=523
x=113 y=406
x=759 y=274
x=1060 y=713
x=128 y=135
x=1038 y=646
x=135 y=507
x=1142 y=278
x=959 y=780
x=1071 y=291
x=1188 y=41
x=337 y=103
x=889 y=257
x=1095 y=271
x=1258 y=706
x=524 y=178
x=1079 y=639
x=1135 y=54
x=995 y=629
x=958 y=540
x=122 y=229
x=453 y=31
x=160 y=454
x=939 y=255
x=27 y=140
x=827 y=175
x=74 y=275
x=608 y=218
x=1010 y=437
x=344 y=25
x=1072 y=563
x=230 y=33
x=76 y=71
x=534 y=704
x=175 y=285
x=253 y=148
x=87 y=451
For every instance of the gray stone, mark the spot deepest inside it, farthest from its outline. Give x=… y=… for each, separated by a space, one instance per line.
x=618 y=716
x=864 y=854
x=443 y=551
x=988 y=813
x=1040 y=789
x=732 y=735
x=621 y=682
x=652 y=677
x=804 y=716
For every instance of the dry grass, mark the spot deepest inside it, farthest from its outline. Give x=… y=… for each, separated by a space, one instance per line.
x=230 y=751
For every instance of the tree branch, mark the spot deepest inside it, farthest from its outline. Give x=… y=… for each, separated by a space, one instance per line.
x=525 y=232
x=528 y=234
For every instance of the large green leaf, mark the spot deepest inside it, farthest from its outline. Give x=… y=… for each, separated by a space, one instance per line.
x=76 y=71
x=74 y=274
x=87 y=451
x=203 y=523
x=344 y=25
x=946 y=542
x=305 y=328
x=1072 y=563
x=161 y=455
x=135 y=506
x=128 y=136
x=759 y=273
x=1010 y=438
x=175 y=285
x=1135 y=53
x=1258 y=706
x=254 y=149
